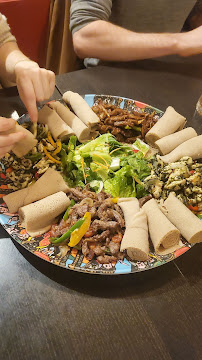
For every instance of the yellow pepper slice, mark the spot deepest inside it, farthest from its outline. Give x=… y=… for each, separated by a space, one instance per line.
x=77 y=234
x=115 y=199
x=58 y=149
x=50 y=157
x=50 y=139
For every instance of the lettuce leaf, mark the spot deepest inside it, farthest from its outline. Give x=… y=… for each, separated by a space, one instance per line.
x=90 y=162
x=122 y=184
x=139 y=165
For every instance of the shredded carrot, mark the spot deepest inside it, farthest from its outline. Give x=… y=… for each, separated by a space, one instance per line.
x=50 y=157
x=50 y=139
x=114 y=150
x=58 y=149
x=103 y=160
x=97 y=169
x=137 y=181
x=103 y=166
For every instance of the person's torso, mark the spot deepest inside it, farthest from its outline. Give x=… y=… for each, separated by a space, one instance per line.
x=151 y=15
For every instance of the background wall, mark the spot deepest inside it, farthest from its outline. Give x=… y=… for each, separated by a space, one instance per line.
x=28 y=20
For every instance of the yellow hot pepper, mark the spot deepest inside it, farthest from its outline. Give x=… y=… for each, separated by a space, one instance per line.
x=50 y=157
x=50 y=139
x=77 y=234
x=115 y=199
x=58 y=149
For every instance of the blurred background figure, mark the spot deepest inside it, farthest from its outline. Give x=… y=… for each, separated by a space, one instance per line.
x=125 y=30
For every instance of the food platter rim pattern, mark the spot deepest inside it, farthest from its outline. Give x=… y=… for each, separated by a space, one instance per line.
x=87 y=96
x=186 y=247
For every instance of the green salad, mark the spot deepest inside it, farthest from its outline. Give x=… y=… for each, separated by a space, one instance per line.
x=105 y=163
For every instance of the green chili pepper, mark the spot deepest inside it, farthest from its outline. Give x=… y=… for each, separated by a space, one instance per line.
x=65 y=217
x=137 y=128
x=34 y=157
x=107 y=251
x=68 y=233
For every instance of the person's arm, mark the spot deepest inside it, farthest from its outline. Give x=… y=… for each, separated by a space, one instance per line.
x=103 y=40
x=7 y=141
x=34 y=84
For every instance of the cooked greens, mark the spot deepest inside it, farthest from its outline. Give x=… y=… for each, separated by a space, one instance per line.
x=183 y=177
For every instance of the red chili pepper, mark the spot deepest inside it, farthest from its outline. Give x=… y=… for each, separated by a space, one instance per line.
x=36 y=175
x=9 y=170
x=193 y=208
x=192 y=171
x=135 y=151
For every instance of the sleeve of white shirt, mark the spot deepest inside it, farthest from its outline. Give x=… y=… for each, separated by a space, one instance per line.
x=83 y=12
x=5 y=33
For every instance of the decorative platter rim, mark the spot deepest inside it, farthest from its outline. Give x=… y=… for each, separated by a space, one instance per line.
x=40 y=246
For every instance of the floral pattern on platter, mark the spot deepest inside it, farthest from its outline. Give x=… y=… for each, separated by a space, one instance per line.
x=75 y=260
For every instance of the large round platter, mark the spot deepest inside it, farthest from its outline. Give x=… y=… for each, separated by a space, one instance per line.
x=40 y=246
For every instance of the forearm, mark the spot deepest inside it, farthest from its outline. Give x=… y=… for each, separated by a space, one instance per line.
x=106 y=41
x=10 y=55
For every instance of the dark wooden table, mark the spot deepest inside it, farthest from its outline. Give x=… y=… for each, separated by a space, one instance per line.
x=49 y=313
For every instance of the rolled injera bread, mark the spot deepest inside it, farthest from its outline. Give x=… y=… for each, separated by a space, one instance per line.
x=170 y=122
x=58 y=128
x=135 y=239
x=170 y=142
x=78 y=127
x=49 y=183
x=130 y=207
x=38 y=217
x=191 y=147
x=81 y=109
x=25 y=145
x=188 y=224
x=164 y=235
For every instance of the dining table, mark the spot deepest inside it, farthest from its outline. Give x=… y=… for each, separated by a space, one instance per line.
x=48 y=312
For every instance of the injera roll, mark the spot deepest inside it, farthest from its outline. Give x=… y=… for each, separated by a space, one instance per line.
x=191 y=147
x=135 y=239
x=188 y=224
x=130 y=207
x=58 y=128
x=81 y=109
x=78 y=127
x=49 y=183
x=170 y=142
x=170 y=122
x=25 y=145
x=38 y=217
x=163 y=233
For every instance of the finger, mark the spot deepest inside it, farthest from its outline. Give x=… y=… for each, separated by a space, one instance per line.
x=6 y=124
x=4 y=150
x=28 y=96
x=11 y=139
x=37 y=81
x=51 y=77
x=45 y=84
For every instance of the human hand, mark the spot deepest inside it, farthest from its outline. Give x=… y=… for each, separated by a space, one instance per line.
x=190 y=43
x=7 y=141
x=34 y=84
